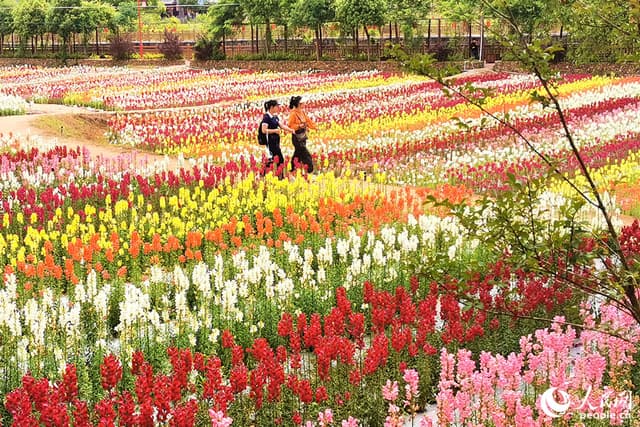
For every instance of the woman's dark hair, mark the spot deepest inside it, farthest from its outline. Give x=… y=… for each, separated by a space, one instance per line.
x=270 y=103
x=294 y=101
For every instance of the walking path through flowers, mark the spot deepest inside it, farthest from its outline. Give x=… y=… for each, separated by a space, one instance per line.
x=26 y=125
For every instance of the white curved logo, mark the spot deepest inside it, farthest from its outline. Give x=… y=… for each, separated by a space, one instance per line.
x=552 y=407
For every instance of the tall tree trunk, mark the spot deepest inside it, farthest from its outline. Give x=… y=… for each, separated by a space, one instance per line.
x=224 y=44
x=251 y=26
x=97 y=42
x=317 y=44
x=267 y=38
x=366 y=33
x=286 y=38
x=395 y=24
x=321 y=40
x=390 y=31
x=469 y=38
x=429 y=33
x=357 y=42
x=257 y=40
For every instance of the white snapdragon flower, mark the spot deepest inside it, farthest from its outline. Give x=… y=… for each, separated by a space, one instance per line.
x=285 y=288
x=342 y=248
x=378 y=254
x=180 y=279
x=321 y=275
x=388 y=235
x=10 y=314
x=101 y=302
x=156 y=274
x=229 y=297
x=325 y=253
x=201 y=279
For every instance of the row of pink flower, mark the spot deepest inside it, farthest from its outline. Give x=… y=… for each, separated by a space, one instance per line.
x=549 y=378
x=231 y=88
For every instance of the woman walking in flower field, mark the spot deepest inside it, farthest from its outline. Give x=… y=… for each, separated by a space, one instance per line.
x=299 y=122
x=272 y=128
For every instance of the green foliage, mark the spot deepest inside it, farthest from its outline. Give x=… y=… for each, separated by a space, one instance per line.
x=535 y=233
x=6 y=19
x=312 y=13
x=356 y=13
x=30 y=18
x=264 y=12
x=421 y=64
x=603 y=31
x=125 y=17
x=635 y=210
x=63 y=18
x=116 y=296
x=206 y=49
x=222 y=18
x=171 y=47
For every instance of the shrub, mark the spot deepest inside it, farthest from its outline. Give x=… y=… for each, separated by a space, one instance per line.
x=206 y=49
x=121 y=47
x=171 y=48
x=440 y=52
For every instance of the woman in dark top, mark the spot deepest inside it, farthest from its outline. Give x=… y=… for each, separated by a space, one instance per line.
x=272 y=127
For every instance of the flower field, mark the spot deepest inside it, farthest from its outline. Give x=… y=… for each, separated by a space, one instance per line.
x=212 y=294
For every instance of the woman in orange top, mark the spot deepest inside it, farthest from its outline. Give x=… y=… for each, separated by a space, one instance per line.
x=300 y=123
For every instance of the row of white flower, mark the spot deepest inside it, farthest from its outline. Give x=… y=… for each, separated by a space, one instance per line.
x=11 y=105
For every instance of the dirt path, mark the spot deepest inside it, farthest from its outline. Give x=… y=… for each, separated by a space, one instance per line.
x=91 y=137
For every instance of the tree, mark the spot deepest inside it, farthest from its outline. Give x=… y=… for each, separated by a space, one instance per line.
x=64 y=20
x=407 y=13
x=312 y=14
x=222 y=17
x=6 y=22
x=263 y=12
x=30 y=21
x=125 y=17
x=93 y=16
x=355 y=13
x=560 y=249
x=602 y=30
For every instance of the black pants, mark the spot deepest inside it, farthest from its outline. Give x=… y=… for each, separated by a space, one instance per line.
x=301 y=157
x=276 y=159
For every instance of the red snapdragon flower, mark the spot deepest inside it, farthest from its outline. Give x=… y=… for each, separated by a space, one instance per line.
x=110 y=372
